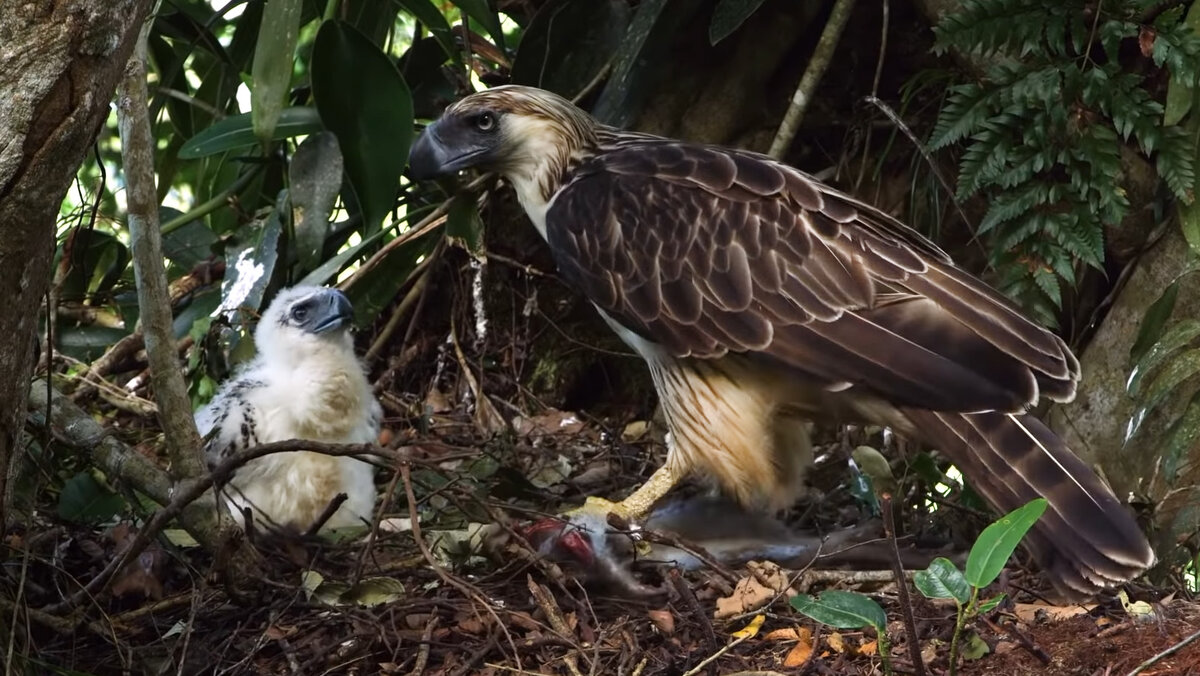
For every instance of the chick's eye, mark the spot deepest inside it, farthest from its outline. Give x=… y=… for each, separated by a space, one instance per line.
x=299 y=313
x=485 y=122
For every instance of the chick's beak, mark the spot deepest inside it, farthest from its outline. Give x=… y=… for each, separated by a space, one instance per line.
x=335 y=312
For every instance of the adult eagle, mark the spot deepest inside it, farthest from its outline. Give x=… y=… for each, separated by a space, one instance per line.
x=759 y=296
x=305 y=383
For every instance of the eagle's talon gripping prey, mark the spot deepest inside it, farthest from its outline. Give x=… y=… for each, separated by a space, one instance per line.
x=759 y=297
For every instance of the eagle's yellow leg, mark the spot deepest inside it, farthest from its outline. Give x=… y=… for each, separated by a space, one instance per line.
x=636 y=505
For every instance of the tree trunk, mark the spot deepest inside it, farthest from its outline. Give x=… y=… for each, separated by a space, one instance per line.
x=59 y=65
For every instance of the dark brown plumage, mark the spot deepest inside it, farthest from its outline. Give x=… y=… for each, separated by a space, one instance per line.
x=757 y=296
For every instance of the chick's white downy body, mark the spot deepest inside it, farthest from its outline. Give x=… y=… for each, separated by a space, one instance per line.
x=305 y=383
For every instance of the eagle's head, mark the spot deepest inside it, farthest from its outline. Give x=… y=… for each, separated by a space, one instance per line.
x=304 y=319
x=527 y=135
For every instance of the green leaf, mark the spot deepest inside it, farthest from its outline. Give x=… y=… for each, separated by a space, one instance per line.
x=943 y=580
x=989 y=605
x=248 y=270
x=997 y=542
x=1181 y=441
x=1154 y=322
x=1180 y=334
x=370 y=112
x=85 y=500
x=237 y=131
x=274 y=59
x=1172 y=374
x=315 y=176
x=463 y=223
x=842 y=610
x=568 y=43
x=425 y=12
x=728 y=16
x=1189 y=221
x=188 y=244
x=486 y=16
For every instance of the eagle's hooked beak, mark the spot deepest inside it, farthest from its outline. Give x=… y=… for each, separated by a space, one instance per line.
x=439 y=151
x=333 y=311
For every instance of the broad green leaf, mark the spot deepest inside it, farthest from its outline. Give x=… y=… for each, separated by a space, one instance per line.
x=435 y=22
x=237 y=131
x=98 y=259
x=1179 y=335
x=370 y=112
x=248 y=270
x=87 y=342
x=1189 y=222
x=1171 y=375
x=842 y=610
x=463 y=223
x=188 y=244
x=943 y=580
x=997 y=542
x=1153 y=322
x=486 y=16
x=728 y=15
x=1185 y=432
x=85 y=500
x=274 y=59
x=315 y=176
x=568 y=43
x=613 y=104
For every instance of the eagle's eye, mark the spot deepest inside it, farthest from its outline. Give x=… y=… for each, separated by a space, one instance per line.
x=299 y=313
x=484 y=121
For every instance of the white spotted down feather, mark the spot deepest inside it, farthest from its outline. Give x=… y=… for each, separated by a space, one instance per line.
x=300 y=386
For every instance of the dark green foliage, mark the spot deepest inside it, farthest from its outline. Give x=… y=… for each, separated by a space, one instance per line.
x=1042 y=131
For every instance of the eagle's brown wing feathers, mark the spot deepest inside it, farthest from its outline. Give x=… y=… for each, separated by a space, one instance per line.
x=795 y=272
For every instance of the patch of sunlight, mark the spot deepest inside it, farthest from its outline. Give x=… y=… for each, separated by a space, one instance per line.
x=243 y=97
x=943 y=489
x=354 y=240
x=179 y=198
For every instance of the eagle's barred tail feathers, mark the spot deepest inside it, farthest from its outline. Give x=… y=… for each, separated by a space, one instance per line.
x=1087 y=540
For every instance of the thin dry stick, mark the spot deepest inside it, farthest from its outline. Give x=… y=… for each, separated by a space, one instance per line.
x=554 y=615
x=467 y=590
x=817 y=65
x=910 y=624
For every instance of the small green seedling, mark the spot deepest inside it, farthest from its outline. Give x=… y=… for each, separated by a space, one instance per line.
x=847 y=610
x=943 y=580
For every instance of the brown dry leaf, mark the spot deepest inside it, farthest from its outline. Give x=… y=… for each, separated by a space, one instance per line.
x=749 y=594
x=785 y=634
x=869 y=648
x=437 y=402
x=473 y=625
x=385 y=436
x=549 y=422
x=800 y=652
x=1034 y=613
x=837 y=642
x=1146 y=38
x=663 y=620
x=276 y=632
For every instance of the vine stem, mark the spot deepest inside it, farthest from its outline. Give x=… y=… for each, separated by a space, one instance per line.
x=817 y=65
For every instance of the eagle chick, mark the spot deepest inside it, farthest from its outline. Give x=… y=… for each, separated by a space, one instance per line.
x=305 y=383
